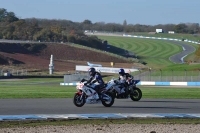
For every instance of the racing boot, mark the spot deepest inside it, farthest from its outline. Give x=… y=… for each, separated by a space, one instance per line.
x=100 y=97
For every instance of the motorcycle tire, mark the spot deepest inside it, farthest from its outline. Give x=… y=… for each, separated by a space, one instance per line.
x=77 y=101
x=111 y=102
x=137 y=94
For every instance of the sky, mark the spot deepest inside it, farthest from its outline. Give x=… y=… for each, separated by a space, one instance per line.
x=148 y=12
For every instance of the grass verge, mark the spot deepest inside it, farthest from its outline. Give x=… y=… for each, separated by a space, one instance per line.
x=68 y=122
x=57 y=91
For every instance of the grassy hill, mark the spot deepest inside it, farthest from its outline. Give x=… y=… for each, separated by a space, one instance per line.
x=166 y=35
x=155 y=53
x=36 y=57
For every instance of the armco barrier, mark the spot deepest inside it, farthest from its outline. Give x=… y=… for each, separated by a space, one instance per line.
x=96 y=116
x=159 y=38
x=149 y=83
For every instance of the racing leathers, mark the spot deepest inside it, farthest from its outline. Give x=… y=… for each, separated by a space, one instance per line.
x=96 y=78
x=125 y=79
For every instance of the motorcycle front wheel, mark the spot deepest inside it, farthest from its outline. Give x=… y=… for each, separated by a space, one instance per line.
x=78 y=101
x=110 y=102
x=136 y=95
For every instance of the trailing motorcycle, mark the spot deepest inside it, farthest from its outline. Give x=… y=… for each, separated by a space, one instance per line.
x=87 y=94
x=120 y=92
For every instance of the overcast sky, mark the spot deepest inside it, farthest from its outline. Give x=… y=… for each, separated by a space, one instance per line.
x=149 y=12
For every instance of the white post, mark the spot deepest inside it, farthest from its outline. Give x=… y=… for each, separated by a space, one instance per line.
x=51 y=65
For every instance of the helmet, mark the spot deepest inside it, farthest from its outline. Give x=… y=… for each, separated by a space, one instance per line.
x=91 y=71
x=121 y=71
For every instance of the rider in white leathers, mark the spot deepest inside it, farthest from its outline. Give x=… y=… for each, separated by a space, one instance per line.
x=95 y=77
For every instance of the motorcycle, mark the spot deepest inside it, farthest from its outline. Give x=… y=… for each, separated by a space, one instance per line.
x=121 y=92
x=87 y=94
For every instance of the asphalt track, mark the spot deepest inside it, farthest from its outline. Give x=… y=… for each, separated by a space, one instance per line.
x=187 y=49
x=66 y=106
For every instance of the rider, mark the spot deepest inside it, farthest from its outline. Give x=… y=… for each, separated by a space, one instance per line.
x=95 y=77
x=124 y=78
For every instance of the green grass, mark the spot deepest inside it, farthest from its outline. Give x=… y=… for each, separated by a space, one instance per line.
x=50 y=88
x=36 y=91
x=57 y=91
x=192 y=56
x=34 y=88
x=170 y=92
x=182 y=67
x=155 y=53
x=166 y=35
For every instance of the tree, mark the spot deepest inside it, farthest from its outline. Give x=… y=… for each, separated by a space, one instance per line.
x=192 y=28
x=125 y=25
x=87 y=22
x=180 y=28
x=7 y=16
x=2 y=14
x=71 y=38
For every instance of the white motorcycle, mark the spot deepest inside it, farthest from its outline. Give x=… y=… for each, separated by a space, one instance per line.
x=121 y=92
x=87 y=94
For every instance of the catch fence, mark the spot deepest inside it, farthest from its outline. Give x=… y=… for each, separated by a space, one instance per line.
x=173 y=76
x=168 y=76
x=69 y=78
x=153 y=75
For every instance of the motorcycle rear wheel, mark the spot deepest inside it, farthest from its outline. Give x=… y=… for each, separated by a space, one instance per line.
x=77 y=101
x=137 y=94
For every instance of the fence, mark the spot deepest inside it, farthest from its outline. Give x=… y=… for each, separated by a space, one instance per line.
x=13 y=72
x=68 y=78
x=176 y=76
x=180 y=76
x=168 y=76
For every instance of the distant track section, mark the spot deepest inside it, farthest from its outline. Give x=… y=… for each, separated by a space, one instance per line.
x=177 y=58
x=187 y=49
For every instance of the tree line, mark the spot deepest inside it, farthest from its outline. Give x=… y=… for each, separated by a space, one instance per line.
x=55 y=30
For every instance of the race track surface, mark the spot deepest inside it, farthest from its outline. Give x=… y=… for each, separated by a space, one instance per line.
x=187 y=49
x=66 y=106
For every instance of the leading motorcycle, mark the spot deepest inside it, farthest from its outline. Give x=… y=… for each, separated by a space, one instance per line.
x=121 y=92
x=87 y=94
